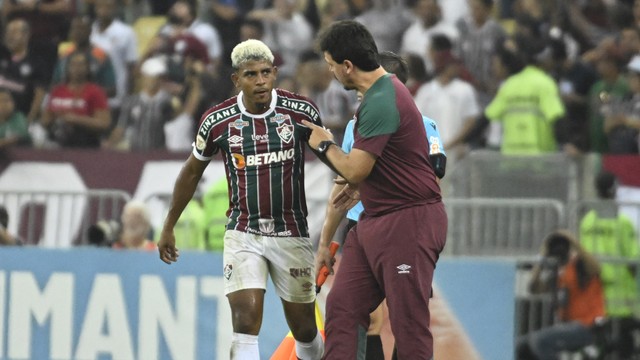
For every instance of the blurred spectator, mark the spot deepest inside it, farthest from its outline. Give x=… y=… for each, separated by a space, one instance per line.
x=228 y=16
x=636 y=13
x=215 y=203
x=479 y=36
x=160 y=7
x=49 y=22
x=22 y=71
x=568 y=270
x=193 y=88
x=575 y=78
x=604 y=232
x=143 y=115
x=622 y=125
x=605 y=97
x=6 y=238
x=527 y=105
x=182 y=17
x=287 y=32
x=254 y=29
x=14 y=129
x=334 y=10
x=76 y=112
x=417 y=72
x=102 y=72
x=428 y=21
x=387 y=34
x=622 y=45
x=336 y=104
x=136 y=228
x=119 y=41
x=191 y=228
x=447 y=99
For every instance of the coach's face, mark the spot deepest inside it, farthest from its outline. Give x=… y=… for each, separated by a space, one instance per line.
x=341 y=71
x=256 y=80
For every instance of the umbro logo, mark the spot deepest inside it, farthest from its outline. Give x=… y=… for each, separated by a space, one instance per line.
x=235 y=140
x=403 y=269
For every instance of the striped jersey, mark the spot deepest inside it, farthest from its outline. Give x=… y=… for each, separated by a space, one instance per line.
x=264 y=161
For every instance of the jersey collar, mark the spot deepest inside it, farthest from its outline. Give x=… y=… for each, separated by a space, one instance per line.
x=272 y=106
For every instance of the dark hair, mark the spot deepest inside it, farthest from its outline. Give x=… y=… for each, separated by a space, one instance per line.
x=88 y=59
x=254 y=23
x=487 y=3
x=558 y=49
x=440 y=42
x=308 y=56
x=4 y=216
x=511 y=59
x=417 y=68
x=557 y=239
x=394 y=64
x=606 y=185
x=350 y=40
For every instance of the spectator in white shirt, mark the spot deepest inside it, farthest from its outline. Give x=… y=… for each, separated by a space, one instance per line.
x=417 y=38
x=119 y=41
x=183 y=17
x=449 y=100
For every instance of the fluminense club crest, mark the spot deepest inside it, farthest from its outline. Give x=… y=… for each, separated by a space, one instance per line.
x=285 y=132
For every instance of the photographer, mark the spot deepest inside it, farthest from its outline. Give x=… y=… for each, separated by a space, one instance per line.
x=5 y=237
x=566 y=268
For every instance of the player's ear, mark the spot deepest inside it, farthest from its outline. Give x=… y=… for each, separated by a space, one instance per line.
x=236 y=79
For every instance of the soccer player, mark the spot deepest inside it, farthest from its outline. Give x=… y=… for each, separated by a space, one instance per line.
x=262 y=142
x=393 y=250
x=394 y=64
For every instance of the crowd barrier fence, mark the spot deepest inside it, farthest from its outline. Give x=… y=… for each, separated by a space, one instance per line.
x=60 y=218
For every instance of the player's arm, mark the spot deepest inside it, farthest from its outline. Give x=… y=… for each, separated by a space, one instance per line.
x=333 y=217
x=183 y=191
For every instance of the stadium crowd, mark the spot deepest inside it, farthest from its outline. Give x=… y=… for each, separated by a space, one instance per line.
x=523 y=76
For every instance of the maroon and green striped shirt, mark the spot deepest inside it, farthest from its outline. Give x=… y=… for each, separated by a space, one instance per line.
x=264 y=158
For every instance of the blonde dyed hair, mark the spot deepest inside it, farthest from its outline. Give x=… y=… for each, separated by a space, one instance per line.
x=249 y=50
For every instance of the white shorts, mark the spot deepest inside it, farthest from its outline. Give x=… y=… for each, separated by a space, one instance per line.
x=249 y=259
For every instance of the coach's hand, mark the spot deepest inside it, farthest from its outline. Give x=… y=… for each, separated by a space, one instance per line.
x=347 y=198
x=167 y=247
x=318 y=134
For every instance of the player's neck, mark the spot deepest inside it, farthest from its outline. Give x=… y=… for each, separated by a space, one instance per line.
x=367 y=79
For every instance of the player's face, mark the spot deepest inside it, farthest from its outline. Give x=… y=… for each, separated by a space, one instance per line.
x=339 y=71
x=256 y=80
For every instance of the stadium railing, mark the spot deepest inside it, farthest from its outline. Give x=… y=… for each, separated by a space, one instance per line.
x=500 y=227
x=489 y=174
x=60 y=219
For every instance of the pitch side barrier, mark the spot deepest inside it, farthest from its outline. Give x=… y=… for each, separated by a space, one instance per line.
x=489 y=174
x=500 y=227
x=60 y=218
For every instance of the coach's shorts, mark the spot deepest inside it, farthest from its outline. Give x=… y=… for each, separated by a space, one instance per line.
x=249 y=259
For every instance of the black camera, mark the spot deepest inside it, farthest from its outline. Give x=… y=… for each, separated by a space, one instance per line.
x=104 y=233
